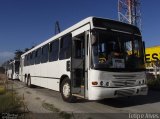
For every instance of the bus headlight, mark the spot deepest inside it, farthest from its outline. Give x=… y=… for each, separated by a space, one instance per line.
x=101 y=83
x=107 y=84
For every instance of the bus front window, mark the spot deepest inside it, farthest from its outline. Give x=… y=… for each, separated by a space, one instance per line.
x=17 y=63
x=113 y=50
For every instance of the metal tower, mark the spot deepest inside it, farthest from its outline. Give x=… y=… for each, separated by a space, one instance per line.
x=129 y=12
x=57 y=28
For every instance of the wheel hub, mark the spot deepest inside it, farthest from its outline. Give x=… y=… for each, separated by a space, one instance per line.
x=66 y=90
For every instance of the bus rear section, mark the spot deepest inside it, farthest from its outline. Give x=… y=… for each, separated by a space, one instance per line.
x=13 y=69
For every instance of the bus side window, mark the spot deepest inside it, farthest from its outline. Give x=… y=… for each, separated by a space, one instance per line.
x=44 y=56
x=65 y=47
x=33 y=55
x=37 y=56
x=25 y=60
x=54 y=50
x=31 y=58
x=28 y=59
x=36 y=53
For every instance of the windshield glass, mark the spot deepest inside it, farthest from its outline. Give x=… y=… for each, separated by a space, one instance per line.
x=17 y=63
x=116 y=51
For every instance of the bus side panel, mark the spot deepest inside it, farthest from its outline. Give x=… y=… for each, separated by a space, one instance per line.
x=43 y=75
x=35 y=74
x=55 y=70
x=25 y=72
x=48 y=74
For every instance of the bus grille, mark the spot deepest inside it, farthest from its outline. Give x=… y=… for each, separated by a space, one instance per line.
x=125 y=92
x=125 y=83
x=124 y=76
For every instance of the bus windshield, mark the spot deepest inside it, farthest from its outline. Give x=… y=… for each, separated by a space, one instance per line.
x=17 y=63
x=116 y=51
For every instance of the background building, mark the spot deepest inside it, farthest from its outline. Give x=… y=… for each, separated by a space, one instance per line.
x=152 y=58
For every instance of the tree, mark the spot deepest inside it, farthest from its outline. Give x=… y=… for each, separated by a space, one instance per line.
x=5 y=65
x=26 y=49
x=18 y=54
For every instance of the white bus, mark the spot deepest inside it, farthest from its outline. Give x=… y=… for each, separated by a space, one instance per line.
x=94 y=59
x=13 y=69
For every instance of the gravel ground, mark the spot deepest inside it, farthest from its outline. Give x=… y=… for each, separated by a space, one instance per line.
x=42 y=102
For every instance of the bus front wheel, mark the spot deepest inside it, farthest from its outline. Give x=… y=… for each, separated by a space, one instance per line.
x=66 y=91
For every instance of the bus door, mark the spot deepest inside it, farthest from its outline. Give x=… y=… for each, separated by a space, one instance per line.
x=78 y=59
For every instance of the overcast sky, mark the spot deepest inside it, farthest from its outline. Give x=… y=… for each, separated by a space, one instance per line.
x=24 y=23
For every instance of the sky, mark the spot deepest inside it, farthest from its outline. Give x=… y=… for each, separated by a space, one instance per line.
x=24 y=23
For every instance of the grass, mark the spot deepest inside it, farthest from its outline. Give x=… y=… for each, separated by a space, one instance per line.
x=154 y=83
x=10 y=103
x=52 y=108
x=2 y=90
x=2 y=85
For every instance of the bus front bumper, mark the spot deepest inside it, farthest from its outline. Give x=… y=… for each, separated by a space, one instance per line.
x=98 y=93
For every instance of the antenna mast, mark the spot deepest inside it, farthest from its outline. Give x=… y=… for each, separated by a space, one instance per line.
x=57 y=28
x=129 y=12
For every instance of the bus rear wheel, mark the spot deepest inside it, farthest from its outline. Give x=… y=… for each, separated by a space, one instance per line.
x=66 y=91
x=26 y=80
x=29 y=82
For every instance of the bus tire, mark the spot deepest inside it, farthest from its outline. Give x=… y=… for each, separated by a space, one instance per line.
x=29 y=82
x=26 y=79
x=66 y=91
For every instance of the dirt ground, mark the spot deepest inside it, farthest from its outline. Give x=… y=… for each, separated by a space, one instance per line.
x=47 y=104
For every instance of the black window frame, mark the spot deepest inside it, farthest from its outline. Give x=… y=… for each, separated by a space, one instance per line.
x=54 y=50
x=25 y=60
x=28 y=59
x=38 y=56
x=44 y=53
x=32 y=58
x=65 y=47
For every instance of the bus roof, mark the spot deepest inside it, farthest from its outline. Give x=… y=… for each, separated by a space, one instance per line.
x=85 y=21
x=72 y=28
